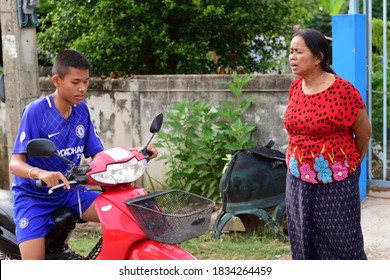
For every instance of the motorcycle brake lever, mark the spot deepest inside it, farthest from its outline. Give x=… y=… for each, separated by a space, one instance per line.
x=60 y=186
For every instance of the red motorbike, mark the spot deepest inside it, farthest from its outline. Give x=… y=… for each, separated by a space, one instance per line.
x=135 y=225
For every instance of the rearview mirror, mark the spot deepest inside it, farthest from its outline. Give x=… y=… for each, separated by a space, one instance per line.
x=41 y=147
x=156 y=123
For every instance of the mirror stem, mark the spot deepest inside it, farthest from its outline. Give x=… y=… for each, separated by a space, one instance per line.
x=144 y=150
x=63 y=158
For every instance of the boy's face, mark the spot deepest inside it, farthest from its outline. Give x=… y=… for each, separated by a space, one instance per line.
x=73 y=87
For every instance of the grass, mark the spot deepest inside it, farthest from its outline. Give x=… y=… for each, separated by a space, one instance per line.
x=231 y=246
x=237 y=247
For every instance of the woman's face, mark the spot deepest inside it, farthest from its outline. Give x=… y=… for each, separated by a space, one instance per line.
x=302 y=61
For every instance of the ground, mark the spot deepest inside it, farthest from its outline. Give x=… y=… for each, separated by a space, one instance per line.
x=376 y=224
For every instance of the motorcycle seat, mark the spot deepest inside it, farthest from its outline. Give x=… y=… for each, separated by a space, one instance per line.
x=6 y=210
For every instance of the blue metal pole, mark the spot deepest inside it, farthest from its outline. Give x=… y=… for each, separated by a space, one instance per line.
x=349 y=61
x=368 y=12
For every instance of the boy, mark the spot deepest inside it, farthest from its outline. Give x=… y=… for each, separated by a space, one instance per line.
x=63 y=118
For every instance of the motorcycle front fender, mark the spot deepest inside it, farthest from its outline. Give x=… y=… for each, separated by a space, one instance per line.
x=153 y=250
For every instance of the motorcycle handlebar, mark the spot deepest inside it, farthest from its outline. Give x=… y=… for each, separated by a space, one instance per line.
x=40 y=183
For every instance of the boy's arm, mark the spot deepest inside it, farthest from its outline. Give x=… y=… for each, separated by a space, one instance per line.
x=19 y=167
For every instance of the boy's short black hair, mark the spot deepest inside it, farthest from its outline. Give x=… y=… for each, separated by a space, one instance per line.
x=69 y=58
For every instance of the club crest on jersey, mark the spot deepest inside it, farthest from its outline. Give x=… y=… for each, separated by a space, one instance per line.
x=23 y=223
x=80 y=131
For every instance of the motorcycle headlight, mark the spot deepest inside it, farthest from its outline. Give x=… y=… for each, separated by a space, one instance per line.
x=125 y=172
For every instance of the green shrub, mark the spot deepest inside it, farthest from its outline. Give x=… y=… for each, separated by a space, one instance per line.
x=199 y=136
x=377 y=81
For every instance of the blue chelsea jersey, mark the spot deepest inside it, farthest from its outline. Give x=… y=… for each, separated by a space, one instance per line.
x=73 y=137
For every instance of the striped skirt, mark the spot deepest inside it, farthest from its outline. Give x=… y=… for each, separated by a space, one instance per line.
x=323 y=220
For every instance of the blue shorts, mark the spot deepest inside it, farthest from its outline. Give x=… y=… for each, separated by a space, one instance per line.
x=33 y=215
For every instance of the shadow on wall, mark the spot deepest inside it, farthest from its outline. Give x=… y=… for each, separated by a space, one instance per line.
x=4 y=178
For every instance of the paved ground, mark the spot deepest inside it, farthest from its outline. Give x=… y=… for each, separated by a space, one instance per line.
x=376 y=225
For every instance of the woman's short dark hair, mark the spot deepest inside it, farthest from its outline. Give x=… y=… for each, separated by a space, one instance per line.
x=317 y=44
x=69 y=58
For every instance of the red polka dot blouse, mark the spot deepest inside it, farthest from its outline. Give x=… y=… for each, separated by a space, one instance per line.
x=321 y=147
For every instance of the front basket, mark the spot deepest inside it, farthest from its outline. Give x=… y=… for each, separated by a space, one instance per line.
x=172 y=216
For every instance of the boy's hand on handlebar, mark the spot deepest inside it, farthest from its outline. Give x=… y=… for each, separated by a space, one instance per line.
x=152 y=151
x=52 y=179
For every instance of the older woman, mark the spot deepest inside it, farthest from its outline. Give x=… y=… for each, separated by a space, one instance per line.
x=328 y=128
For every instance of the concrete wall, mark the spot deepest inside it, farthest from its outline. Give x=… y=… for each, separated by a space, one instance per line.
x=3 y=148
x=122 y=109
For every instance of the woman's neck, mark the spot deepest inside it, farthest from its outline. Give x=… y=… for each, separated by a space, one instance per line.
x=317 y=82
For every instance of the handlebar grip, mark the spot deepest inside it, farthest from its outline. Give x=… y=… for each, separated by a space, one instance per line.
x=40 y=183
